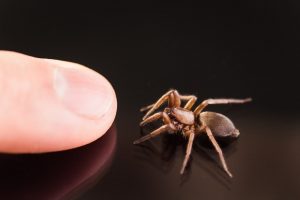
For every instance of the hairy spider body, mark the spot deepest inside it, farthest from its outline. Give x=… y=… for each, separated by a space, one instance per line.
x=182 y=119
x=191 y=123
x=184 y=116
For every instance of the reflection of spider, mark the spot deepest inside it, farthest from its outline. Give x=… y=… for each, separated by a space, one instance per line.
x=191 y=123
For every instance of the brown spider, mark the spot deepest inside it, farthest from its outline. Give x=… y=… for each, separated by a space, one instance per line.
x=191 y=123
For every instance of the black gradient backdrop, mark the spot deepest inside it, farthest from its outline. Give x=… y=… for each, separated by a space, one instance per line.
x=216 y=49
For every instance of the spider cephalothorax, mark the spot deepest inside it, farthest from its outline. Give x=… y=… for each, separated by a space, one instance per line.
x=191 y=123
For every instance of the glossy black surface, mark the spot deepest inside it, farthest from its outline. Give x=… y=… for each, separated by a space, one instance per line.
x=218 y=49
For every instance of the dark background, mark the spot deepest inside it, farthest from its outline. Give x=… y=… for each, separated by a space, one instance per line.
x=216 y=49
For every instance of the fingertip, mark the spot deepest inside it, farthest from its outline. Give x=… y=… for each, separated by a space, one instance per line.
x=39 y=113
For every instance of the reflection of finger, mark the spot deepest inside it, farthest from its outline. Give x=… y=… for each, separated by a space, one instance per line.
x=57 y=175
x=50 y=105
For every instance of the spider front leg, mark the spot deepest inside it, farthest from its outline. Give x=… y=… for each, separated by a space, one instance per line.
x=156 y=116
x=188 y=152
x=218 y=149
x=191 y=100
x=143 y=109
x=167 y=127
x=162 y=129
x=171 y=96
x=207 y=102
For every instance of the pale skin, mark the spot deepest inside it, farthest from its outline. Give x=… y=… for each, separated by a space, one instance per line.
x=184 y=120
x=51 y=105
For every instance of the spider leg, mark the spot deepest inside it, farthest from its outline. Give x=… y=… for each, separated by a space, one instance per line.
x=207 y=102
x=188 y=152
x=159 y=102
x=176 y=99
x=166 y=127
x=151 y=105
x=143 y=109
x=218 y=149
x=156 y=116
x=162 y=129
x=191 y=100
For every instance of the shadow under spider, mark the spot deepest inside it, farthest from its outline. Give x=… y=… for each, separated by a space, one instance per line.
x=161 y=153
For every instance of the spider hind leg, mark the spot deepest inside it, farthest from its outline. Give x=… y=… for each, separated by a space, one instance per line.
x=218 y=149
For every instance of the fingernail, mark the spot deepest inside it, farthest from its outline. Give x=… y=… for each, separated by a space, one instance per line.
x=81 y=90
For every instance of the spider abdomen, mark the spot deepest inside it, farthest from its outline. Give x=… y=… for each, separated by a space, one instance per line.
x=220 y=125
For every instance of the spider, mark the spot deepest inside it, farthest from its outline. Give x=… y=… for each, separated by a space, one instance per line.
x=190 y=123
